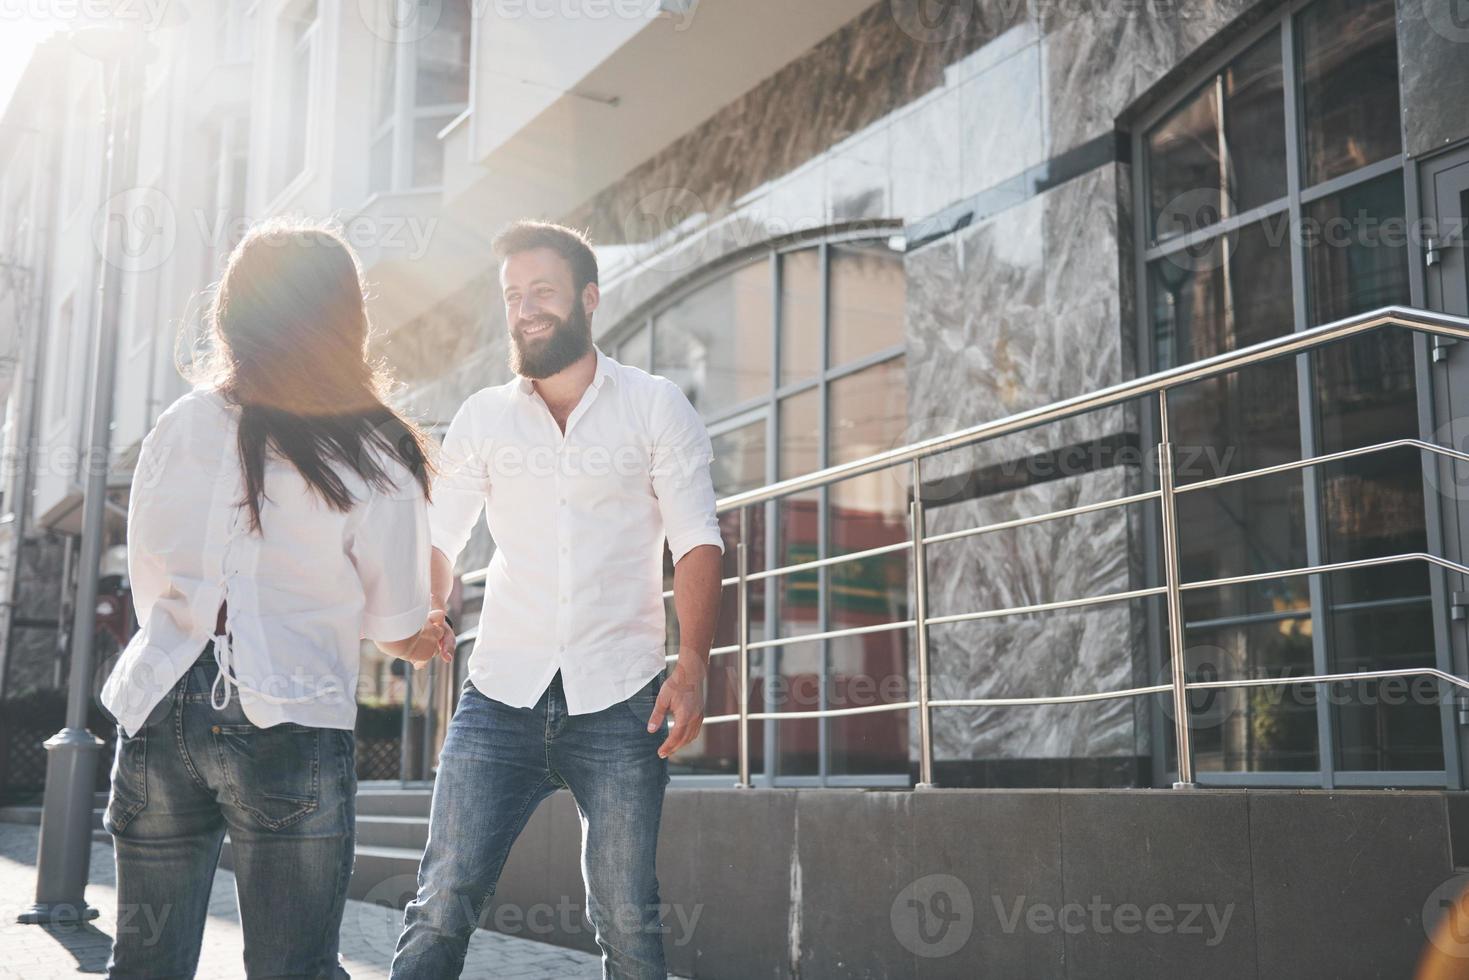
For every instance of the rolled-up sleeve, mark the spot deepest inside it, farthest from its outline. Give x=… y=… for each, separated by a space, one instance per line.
x=389 y=547
x=682 y=482
x=462 y=482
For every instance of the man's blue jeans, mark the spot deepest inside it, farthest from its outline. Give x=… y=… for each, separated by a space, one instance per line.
x=287 y=794
x=496 y=765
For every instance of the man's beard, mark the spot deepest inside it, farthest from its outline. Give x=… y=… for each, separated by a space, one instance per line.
x=568 y=342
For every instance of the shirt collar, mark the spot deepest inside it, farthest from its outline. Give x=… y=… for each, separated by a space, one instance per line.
x=605 y=365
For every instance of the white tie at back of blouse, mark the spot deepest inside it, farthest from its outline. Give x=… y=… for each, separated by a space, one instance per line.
x=224 y=650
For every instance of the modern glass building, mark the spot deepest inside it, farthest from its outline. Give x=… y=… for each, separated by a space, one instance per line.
x=872 y=224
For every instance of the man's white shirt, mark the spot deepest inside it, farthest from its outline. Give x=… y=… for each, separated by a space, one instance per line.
x=579 y=522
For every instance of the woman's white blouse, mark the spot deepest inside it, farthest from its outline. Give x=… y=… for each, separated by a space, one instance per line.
x=302 y=593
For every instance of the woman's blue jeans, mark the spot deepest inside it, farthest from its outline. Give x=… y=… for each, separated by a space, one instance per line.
x=287 y=795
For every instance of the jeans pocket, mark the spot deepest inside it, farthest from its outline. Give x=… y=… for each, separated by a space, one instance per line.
x=129 y=793
x=642 y=702
x=274 y=774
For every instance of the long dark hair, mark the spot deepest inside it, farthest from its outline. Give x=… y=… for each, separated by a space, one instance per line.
x=289 y=335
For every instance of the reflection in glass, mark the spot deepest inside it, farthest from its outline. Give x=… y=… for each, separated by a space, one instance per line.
x=1229 y=293
x=796 y=684
x=1356 y=250
x=1194 y=161
x=1349 y=93
x=739 y=459
x=443 y=57
x=868 y=290
x=428 y=152
x=715 y=342
x=868 y=414
x=800 y=315
x=1253 y=729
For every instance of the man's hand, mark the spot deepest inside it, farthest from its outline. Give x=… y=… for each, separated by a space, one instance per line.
x=434 y=640
x=683 y=695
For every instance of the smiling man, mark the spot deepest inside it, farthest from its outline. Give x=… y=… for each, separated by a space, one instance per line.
x=584 y=468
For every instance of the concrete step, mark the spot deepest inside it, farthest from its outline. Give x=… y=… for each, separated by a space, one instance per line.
x=389 y=800
x=374 y=830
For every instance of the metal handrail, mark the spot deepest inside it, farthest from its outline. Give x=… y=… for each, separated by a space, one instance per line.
x=1159 y=384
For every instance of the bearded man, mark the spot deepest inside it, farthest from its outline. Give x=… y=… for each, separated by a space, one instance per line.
x=584 y=467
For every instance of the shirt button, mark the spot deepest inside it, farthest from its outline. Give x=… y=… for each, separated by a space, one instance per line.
x=214 y=729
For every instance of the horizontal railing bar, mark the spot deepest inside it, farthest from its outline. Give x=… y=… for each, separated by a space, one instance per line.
x=1341 y=566
x=809 y=565
x=1359 y=675
x=1052 y=515
x=1131 y=692
x=1443 y=324
x=806 y=566
x=1136 y=498
x=1046 y=606
x=1300 y=464
x=1303 y=612
x=782 y=641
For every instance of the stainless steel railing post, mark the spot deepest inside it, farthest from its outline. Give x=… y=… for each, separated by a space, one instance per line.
x=920 y=626
x=742 y=598
x=1172 y=579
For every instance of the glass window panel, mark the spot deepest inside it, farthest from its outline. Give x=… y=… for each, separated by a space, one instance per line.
x=863 y=671
x=1349 y=92
x=1228 y=293
x=796 y=684
x=800 y=315
x=380 y=163
x=1254 y=125
x=636 y=350
x=715 y=342
x=868 y=413
x=428 y=151
x=387 y=76
x=1255 y=729
x=1392 y=723
x=1194 y=161
x=443 y=58
x=739 y=459
x=868 y=290
x=1356 y=250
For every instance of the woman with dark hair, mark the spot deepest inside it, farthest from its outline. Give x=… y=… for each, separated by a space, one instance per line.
x=278 y=517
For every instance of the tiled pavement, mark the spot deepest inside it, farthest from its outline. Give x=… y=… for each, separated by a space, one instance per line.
x=369 y=931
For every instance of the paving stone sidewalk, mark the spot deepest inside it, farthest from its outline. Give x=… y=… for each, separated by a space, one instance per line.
x=369 y=932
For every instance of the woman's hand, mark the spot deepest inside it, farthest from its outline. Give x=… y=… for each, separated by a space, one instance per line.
x=434 y=640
